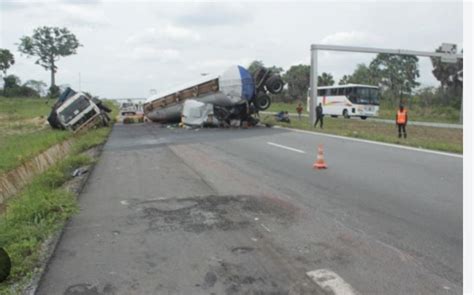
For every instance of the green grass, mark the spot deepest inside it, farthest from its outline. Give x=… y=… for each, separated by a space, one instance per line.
x=282 y=106
x=24 y=134
x=21 y=108
x=42 y=207
x=17 y=148
x=437 y=114
x=442 y=139
x=39 y=210
x=32 y=216
x=416 y=113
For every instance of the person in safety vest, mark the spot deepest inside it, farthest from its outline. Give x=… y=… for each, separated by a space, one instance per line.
x=401 y=120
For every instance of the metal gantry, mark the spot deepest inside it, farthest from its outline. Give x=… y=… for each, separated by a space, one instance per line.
x=447 y=56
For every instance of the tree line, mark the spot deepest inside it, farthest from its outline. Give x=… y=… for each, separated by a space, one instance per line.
x=47 y=45
x=396 y=75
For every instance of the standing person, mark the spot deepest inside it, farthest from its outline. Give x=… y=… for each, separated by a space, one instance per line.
x=319 y=116
x=401 y=119
x=299 y=110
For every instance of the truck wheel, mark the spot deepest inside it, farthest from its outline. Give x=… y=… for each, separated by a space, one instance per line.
x=363 y=117
x=274 y=84
x=221 y=114
x=262 y=101
x=345 y=113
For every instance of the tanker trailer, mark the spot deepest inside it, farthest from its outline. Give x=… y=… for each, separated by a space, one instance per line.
x=230 y=91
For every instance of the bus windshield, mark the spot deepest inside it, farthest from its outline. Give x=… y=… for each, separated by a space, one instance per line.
x=363 y=95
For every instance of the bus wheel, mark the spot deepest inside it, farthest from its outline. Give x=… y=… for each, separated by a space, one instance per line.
x=363 y=117
x=345 y=113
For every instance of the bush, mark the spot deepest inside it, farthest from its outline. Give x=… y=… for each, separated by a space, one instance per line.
x=54 y=91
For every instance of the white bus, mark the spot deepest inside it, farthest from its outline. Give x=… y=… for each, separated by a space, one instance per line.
x=350 y=100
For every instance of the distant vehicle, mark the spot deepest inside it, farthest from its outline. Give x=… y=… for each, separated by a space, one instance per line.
x=76 y=111
x=351 y=100
x=129 y=108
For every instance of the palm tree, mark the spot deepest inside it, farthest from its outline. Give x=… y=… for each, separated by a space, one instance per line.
x=325 y=80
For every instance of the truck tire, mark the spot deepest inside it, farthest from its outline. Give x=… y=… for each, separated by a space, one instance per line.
x=5 y=265
x=345 y=113
x=221 y=114
x=274 y=84
x=363 y=117
x=262 y=101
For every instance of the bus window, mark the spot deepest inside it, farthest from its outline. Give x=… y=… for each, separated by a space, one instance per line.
x=374 y=96
x=333 y=91
x=340 y=91
x=322 y=92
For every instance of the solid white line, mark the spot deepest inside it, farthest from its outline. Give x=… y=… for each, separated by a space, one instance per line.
x=331 y=282
x=374 y=142
x=286 y=147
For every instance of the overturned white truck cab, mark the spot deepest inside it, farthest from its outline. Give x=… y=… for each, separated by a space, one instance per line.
x=234 y=94
x=76 y=111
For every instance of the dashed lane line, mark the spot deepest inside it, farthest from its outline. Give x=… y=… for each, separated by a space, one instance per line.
x=286 y=147
x=331 y=282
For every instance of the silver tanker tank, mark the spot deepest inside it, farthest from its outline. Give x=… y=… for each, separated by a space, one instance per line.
x=233 y=87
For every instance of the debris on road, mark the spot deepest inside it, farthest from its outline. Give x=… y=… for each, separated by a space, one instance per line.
x=232 y=99
x=76 y=111
x=79 y=171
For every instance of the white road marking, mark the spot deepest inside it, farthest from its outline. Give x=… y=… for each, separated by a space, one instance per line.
x=266 y=228
x=125 y=203
x=286 y=147
x=331 y=282
x=375 y=142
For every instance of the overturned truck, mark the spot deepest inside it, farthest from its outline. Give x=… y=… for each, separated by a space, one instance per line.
x=76 y=111
x=235 y=94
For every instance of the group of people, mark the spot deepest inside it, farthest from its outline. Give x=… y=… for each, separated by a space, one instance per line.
x=401 y=118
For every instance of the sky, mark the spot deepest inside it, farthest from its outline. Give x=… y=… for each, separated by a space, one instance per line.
x=131 y=47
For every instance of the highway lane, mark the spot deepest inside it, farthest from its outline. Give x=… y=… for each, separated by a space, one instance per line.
x=410 y=200
x=387 y=220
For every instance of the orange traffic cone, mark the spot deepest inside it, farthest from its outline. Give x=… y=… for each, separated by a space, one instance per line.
x=320 y=163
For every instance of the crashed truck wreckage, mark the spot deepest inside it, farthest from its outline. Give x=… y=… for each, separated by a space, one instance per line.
x=235 y=95
x=76 y=111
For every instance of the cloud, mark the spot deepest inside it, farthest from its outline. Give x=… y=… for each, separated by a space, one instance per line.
x=145 y=53
x=216 y=14
x=217 y=65
x=353 y=38
x=82 y=15
x=167 y=33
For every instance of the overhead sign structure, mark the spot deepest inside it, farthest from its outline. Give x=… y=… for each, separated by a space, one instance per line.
x=450 y=51
x=448 y=54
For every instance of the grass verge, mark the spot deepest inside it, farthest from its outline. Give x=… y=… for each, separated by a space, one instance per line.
x=43 y=206
x=39 y=210
x=24 y=132
x=441 y=139
x=416 y=113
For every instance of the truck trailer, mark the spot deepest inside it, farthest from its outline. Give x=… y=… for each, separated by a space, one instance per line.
x=236 y=91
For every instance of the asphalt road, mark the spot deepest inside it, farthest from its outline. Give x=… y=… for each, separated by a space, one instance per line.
x=173 y=211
